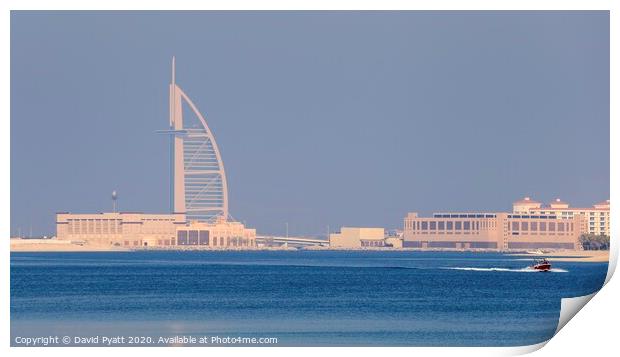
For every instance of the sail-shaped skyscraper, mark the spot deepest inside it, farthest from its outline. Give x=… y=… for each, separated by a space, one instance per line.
x=198 y=196
x=198 y=180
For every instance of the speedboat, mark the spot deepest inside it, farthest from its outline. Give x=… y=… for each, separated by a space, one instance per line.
x=542 y=265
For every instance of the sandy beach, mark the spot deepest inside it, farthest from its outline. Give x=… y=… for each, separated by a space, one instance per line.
x=571 y=256
x=23 y=245
x=52 y=245
x=56 y=248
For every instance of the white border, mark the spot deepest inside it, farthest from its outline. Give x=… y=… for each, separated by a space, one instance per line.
x=597 y=320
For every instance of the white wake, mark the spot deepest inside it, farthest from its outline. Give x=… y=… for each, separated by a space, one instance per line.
x=522 y=270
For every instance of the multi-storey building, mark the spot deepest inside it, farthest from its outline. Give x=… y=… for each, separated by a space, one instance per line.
x=596 y=218
x=198 y=195
x=198 y=179
x=126 y=229
x=502 y=231
x=139 y=230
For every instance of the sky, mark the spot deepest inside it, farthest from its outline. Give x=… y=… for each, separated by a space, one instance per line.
x=322 y=118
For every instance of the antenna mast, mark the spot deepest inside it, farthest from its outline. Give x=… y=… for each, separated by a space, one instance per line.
x=114 y=197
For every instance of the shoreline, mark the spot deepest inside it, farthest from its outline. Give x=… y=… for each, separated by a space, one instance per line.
x=556 y=255
x=592 y=256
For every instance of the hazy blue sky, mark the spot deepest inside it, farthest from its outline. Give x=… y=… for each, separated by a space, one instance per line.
x=341 y=118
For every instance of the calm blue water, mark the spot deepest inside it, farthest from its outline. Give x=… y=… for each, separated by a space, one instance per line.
x=304 y=298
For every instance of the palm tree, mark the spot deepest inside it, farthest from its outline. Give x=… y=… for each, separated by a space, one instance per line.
x=594 y=242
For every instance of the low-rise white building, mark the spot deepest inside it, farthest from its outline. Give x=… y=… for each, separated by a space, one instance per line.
x=357 y=237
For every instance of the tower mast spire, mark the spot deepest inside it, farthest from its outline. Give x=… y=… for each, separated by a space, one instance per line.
x=173 y=70
x=173 y=94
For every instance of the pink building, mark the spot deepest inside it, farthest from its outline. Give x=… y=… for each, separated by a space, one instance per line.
x=596 y=218
x=501 y=231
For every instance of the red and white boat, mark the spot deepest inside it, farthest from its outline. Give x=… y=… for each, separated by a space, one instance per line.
x=542 y=265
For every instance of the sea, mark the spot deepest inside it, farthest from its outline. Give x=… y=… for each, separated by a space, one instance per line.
x=289 y=298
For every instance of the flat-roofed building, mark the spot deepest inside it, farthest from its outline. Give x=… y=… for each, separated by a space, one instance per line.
x=452 y=230
x=357 y=237
x=542 y=231
x=126 y=229
x=394 y=242
x=595 y=218
x=221 y=234
x=501 y=231
x=135 y=230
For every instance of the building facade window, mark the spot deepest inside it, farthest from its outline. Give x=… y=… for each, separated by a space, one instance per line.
x=182 y=237
x=204 y=237
x=193 y=237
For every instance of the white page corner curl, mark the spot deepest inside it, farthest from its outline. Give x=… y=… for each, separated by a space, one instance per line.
x=613 y=261
x=570 y=307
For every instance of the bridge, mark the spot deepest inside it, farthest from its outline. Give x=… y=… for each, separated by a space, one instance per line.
x=277 y=241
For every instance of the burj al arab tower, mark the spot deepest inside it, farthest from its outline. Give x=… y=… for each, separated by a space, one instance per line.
x=198 y=180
